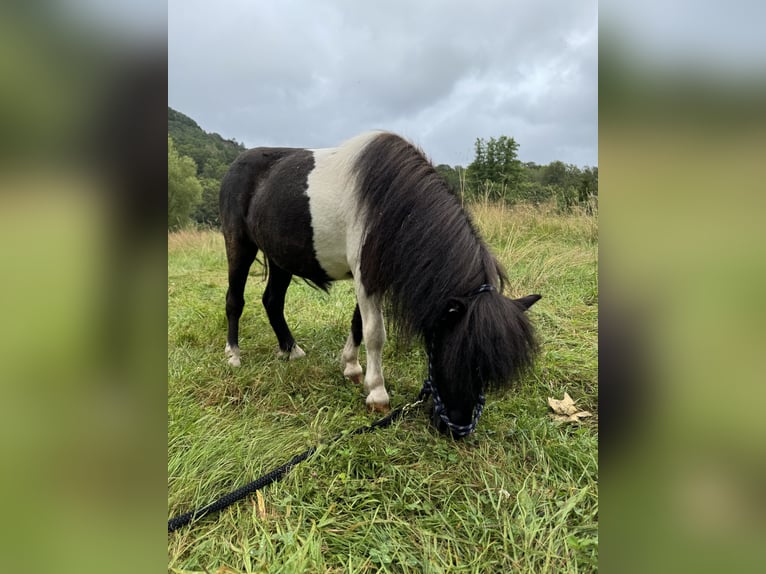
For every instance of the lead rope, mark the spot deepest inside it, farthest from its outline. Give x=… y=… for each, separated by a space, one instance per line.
x=279 y=472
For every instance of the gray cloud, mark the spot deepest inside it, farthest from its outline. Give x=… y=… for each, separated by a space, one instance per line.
x=441 y=73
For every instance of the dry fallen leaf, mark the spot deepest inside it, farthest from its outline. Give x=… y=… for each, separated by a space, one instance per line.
x=565 y=411
x=570 y=418
x=565 y=406
x=261 y=505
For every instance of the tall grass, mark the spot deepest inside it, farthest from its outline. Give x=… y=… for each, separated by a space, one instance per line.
x=520 y=494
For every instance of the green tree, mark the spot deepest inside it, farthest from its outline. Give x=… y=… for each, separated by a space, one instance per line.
x=451 y=175
x=184 y=189
x=588 y=183
x=207 y=212
x=560 y=174
x=530 y=191
x=496 y=168
x=214 y=168
x=566 y=197
x=555 y=174
x=478 y=170
x=532 y=172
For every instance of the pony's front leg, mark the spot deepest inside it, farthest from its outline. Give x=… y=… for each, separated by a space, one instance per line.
x=374 y=333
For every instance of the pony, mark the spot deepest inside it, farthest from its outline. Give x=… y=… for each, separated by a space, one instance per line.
x=374 y=210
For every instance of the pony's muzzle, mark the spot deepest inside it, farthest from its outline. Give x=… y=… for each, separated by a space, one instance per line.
x=443 y=427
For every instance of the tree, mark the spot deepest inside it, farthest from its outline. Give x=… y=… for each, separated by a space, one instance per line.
x=478 y=170
x=207 y=210
x=530 y=191
x=214 y=168
x=184 y=189
x=451 y=175
x=555 y=174
x=588 y=183
x=566 y=198
x=496 y=167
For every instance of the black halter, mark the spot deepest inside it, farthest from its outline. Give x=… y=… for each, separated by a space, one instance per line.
x=484 y=288
x=429 y=388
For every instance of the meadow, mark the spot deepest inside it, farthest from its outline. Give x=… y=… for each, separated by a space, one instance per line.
x=518 y=495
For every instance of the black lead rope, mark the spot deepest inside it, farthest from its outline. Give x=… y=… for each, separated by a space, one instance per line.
x=279 y=472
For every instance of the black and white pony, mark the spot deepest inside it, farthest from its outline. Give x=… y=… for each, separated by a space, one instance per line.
x=376 y=211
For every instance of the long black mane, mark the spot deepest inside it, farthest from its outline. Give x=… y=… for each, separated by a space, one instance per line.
x=421 y=248
x=423 y=255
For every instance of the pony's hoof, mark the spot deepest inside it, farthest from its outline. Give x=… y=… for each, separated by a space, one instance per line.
x=378 y=408
x=356 y=379
x=295 y=353
x=352 y=370
x=233 y=354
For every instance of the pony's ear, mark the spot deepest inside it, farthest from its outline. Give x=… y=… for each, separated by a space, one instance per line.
x=528 y=301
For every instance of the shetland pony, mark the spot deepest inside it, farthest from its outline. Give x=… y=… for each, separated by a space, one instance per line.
x=375 y=210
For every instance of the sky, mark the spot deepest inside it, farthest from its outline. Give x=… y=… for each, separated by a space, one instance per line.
x=439 y=72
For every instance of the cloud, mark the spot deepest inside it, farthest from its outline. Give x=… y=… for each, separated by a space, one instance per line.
x=441 y=73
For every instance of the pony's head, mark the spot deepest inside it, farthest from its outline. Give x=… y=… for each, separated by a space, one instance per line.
x=483 y=341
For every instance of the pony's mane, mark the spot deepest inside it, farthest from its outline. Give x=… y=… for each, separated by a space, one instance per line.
x=421 y=248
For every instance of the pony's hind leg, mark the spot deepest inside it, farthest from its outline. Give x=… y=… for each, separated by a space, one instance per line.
x=374 y=332
x=350 y=356
x=274 y=303
x=240 y=255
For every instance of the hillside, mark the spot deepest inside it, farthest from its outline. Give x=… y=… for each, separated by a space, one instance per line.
x=212 y=153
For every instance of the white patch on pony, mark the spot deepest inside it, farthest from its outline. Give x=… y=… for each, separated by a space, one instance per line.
x=233 y=354
x=350 y=361
x=338 y=232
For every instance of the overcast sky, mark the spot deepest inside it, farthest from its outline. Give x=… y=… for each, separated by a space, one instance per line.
x=442 y=73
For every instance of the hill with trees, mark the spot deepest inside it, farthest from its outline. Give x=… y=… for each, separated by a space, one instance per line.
x=212 y=156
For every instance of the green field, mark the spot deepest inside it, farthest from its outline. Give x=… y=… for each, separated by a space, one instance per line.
x=519 y=495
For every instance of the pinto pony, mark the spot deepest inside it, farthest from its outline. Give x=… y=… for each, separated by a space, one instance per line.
x=376 y=211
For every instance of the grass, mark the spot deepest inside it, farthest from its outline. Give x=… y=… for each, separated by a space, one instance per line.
x=520 y=494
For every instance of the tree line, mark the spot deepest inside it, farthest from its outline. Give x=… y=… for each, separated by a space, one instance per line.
x=497 y=174
x=197 y=161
